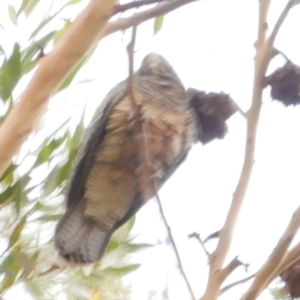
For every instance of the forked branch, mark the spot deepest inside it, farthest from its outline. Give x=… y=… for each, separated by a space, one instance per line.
x=262 y=59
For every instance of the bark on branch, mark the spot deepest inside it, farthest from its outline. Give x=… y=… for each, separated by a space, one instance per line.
x=138 y=18
x=273 y=263
x=262 y=59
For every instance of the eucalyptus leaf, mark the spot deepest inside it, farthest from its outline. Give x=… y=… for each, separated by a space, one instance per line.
x=13 y=14
x=158 y=23
x=10 y=73
x=17 y=232
x=122 y=270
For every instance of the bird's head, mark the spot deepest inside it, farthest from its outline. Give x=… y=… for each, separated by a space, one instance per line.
x=155 y=65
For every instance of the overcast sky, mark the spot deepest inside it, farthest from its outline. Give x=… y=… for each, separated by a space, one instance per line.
x=210 y=45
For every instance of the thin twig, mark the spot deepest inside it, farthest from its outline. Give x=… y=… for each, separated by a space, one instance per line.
x=147 y=180
x=275 y=52
x=213 y=235
x=144 y=171
x=231 y=285
x=175 y=248
x=239 y=109
x=134 y=4
x=226 y=271
x=197 y=237
x=270 y=41
x=280 y=21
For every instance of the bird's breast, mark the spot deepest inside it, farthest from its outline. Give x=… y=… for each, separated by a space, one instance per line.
x=113 y=181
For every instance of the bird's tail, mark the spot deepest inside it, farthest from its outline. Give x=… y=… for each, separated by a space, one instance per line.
x=80 y=239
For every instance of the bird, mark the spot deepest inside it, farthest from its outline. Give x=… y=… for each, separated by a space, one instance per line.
x=104 y=189
x=140 y=134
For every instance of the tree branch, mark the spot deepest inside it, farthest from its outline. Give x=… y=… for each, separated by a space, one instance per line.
x=143 y=16
x=226 y=271
x=219 y=255
x=52 y=69
x=273 y=263
x=279 y=22
x=291 y=256
x=231 y=285
x=197 y=237
x=134 y=4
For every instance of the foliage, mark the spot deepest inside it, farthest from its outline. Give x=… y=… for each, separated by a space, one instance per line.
x=32 y=188
x=278 y=294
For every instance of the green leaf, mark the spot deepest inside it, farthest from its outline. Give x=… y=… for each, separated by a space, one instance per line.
x=47 y=151
x=130 y=248
x=122 y=233
x=7 y=194
x=8 y=175
x=30 y=6
x=158 y=23
x=122 y=270
x=17 y=232
x=10 y=73
x=112 y=246
x=28 y=66
x=28 y=263
x=72 y=2
x=18 y=197
x=7 y=282
x=13 y=14
x=75 y=139
x=23 y=5
x=50 y=218
x=43 y=156
x=52 y=181
x=2 y=52
x=66 y=169
x=15 y=262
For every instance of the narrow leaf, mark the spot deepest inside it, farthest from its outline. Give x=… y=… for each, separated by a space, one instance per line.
x=50 y=218
x=122 y=270
x=18 y=197
x=158 y=23
x=7 y=194
x=11 y=72
x=17 y=232
x=13 y=14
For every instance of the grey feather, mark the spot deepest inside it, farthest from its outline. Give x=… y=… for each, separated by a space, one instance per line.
x=78 y=237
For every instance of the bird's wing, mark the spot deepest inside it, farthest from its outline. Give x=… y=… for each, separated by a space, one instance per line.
x=92 y=138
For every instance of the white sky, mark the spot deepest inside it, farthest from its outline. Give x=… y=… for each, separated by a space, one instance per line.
x=210 y=45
